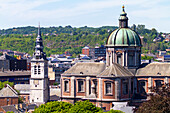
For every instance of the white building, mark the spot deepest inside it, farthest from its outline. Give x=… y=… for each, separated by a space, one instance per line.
x=39 y=91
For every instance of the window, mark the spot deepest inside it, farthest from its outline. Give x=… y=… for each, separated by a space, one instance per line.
x=142 y=86
x=66 y=86
x=80 y=85
x=108 y=88
x=38 y=69
x=35 y=69
x=158 y=83
x=125 y=87
x=119 y=60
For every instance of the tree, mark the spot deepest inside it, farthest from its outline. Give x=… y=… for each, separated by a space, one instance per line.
x=115 y=111
x=159 y=101
x=85 y=107
x=2 y=84
x=64 y=107
x=54 y=107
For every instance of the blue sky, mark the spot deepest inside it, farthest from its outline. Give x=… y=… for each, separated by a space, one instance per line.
x=78 y=13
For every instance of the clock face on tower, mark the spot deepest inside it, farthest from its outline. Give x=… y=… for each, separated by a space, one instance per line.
x=36 y=82
x=37 y=63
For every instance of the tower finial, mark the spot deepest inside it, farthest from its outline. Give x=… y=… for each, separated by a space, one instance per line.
x=123 y=8
x=39 y=32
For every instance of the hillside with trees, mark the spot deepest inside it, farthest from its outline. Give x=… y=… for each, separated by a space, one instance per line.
x=57 y=40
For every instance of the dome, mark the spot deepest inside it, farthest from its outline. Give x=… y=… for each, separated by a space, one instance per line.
x=123 y=37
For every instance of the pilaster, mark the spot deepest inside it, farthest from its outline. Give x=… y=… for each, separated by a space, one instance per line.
x=72 y=86
x=150 y=84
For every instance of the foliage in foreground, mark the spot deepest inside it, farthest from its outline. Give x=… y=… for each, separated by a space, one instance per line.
x=85 y=106
x=64 y=107
x=158 y=103
x=2 y=84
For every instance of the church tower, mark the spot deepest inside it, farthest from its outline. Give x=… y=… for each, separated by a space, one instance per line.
x=124 y=46
x=39 y=82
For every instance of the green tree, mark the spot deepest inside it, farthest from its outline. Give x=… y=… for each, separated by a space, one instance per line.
x=115 y=111
x=54 y=107
x=85 y=107
x=2 y=84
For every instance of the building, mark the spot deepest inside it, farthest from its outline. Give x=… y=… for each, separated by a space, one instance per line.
x=24 y=91
x=98 y=52
x=122 y=79
x=39 y=82
x=56 y=67
x=10 y=63
x=17 y=77
x=8 y=96
x=86 y=50
x=103 y=83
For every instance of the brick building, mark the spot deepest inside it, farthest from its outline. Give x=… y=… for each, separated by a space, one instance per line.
x=86 y=50
x=8 y=96
x=122 y=78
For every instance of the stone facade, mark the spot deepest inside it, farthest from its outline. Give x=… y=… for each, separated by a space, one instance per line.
x=39 y=90
x=120 y=79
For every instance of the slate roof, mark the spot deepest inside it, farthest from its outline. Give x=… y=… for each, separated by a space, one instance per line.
x=22 y=87
x=8 y=92
x=85 y=68
x=154 y=69
x=115 y=70
x=15 y=73
x=10 y=108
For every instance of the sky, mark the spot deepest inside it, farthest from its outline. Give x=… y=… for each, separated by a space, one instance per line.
x=79 y=13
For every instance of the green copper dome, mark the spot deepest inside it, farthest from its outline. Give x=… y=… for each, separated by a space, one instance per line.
x=123 y=36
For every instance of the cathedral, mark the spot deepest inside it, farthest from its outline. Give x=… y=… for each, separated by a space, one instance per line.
x=120 y=78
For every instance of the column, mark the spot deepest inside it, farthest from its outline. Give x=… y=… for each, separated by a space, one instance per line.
x=107 y=58
x=123 y=55
x=87 y=85
x=129 y=81
x=100 y=88
x=166 y=80
x=134 y=85
x=150 y=84
x=135 y=57
x=111 y=57
x=73 y=91
x=126 y=58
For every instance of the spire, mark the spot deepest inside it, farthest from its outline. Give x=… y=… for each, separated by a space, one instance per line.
x=39 y=54
x=39 y=32
x=123 y=19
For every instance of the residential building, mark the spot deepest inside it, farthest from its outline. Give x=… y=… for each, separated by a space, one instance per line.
x=85 y=50
x=8 y=96
x=98 y=52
